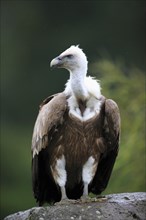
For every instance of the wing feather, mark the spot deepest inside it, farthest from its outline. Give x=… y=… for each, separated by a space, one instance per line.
x=51 y=114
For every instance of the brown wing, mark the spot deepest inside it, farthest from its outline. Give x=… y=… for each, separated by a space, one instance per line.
x=50 y=116
x=111 y=135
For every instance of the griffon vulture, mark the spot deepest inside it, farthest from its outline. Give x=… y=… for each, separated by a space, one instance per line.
x=76 y=136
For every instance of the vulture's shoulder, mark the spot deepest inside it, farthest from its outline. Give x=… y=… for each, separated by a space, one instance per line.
x=50 y=115
x=57 y=100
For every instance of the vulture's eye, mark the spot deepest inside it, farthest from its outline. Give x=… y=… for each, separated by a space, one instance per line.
x=69 y=56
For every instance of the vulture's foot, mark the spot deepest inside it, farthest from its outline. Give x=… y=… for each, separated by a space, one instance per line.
x=66 y=201
x=100 y=198
x=87 y=199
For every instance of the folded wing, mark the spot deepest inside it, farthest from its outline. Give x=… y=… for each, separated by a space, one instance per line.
x=111 y=135
x=49 y=118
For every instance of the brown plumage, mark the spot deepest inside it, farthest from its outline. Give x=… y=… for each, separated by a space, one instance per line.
x=74 y=151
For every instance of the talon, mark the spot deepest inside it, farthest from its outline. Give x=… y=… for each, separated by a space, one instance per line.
x=66 y=201
x=86 y=199
x=100 y=198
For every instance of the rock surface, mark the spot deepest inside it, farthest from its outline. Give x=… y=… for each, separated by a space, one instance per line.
x=124 y=206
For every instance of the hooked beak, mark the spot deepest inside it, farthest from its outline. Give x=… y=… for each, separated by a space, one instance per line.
x=56 y=62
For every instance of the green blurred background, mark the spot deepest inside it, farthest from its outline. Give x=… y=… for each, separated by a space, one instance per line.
x=112 y=34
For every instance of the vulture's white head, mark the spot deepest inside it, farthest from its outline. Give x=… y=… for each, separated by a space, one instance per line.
x=73 y=59
x=79 y=85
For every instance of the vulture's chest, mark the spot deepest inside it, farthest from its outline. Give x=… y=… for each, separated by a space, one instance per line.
x=78 y=140
x=78 y=148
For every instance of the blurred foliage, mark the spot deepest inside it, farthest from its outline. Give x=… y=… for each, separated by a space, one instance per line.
x=34 y=32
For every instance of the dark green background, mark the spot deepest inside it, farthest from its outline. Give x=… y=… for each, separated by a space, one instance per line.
x=112 y=34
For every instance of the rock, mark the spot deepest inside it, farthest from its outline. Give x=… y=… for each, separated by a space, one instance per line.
x=124 y=206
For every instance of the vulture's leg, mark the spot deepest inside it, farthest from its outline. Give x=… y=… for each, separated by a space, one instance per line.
x=86 y=198
x=85 y=190
x=88 y=173
x=64 y=199
x=63 y=193
x=61 y=179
